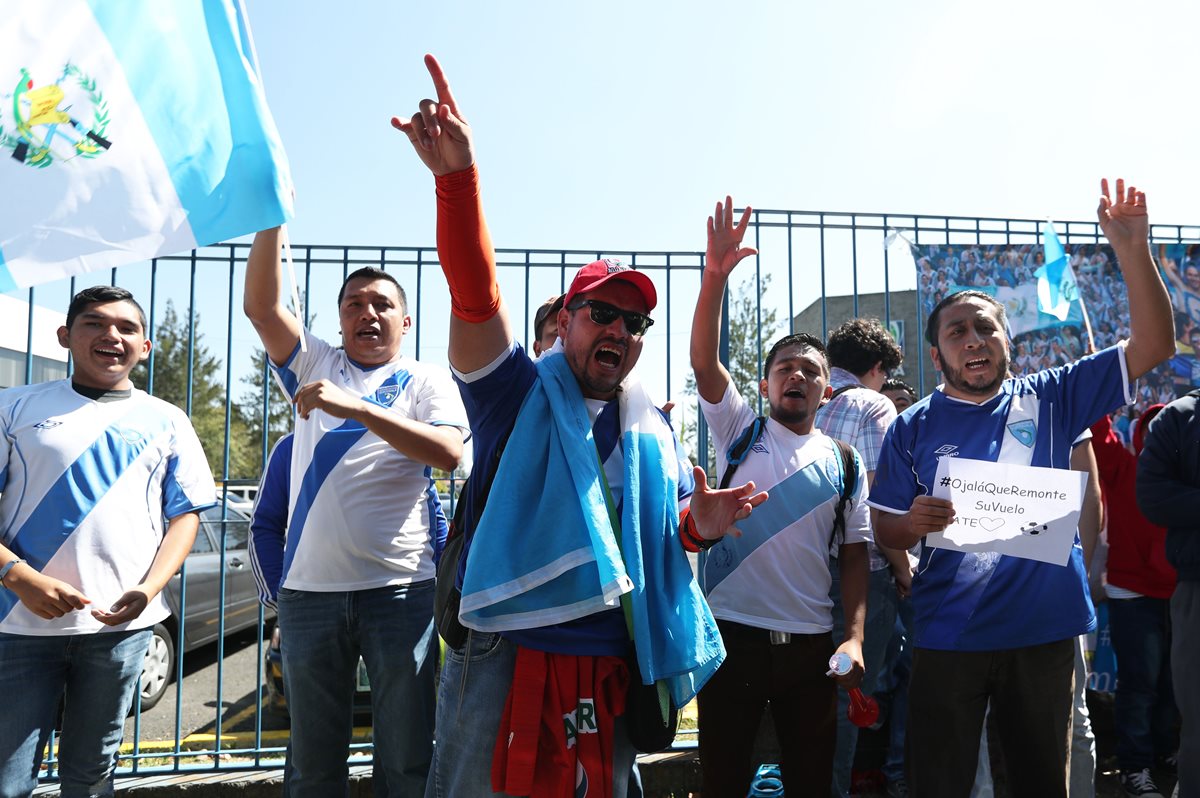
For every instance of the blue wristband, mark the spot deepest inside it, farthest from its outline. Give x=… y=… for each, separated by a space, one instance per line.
x=8 y=567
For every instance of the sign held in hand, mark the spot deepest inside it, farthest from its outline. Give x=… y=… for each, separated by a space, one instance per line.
x=1021 y=511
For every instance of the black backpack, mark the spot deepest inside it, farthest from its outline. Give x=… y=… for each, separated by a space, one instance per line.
x=447 y=596
x=741 y=447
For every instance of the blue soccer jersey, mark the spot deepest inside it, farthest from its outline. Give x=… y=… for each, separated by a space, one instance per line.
x=87 y=488
x=982 y=601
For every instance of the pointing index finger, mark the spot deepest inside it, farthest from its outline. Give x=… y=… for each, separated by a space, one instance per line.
x=444 y=95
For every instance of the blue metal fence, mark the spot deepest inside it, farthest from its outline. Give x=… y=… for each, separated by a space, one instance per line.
x=833 y=266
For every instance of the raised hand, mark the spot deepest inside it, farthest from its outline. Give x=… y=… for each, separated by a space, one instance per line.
x=438 y=132
x=725 y=248
x=1123 y=217
x=716 y=511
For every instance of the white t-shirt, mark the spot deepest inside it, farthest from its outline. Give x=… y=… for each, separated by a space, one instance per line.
x=360 y=511
x=776 y=575
x=86 y=487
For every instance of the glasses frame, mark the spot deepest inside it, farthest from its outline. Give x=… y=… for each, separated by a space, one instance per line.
x=636 y=323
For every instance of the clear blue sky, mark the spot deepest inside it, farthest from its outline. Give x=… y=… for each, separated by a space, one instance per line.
x=616 y=125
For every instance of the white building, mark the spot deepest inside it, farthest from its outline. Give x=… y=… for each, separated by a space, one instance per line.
x=49 y=359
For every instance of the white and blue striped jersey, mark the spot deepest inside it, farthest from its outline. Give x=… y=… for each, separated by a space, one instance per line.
x=359 y=511
x=776 y=574
x=86 y=487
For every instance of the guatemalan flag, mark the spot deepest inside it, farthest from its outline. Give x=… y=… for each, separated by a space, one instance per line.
x=130 y=130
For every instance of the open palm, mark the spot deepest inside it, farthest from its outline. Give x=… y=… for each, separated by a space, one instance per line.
x=725 y=248
x=1123 y=217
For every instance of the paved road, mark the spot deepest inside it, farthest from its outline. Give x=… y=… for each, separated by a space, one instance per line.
x=239 y=687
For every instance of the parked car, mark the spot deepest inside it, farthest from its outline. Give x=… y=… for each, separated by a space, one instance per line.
x=202 y=613
x=277 y=701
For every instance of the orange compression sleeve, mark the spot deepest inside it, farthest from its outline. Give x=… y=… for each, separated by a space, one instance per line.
x=465 y=247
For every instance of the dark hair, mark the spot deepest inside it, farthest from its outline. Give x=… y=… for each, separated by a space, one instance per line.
x=931 y=326
x=98 y=295
x=371 y=273
x=804 y=341
x=859 y=344
x=892 y=384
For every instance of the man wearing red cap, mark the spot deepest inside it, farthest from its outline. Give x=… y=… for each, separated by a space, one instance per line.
x=578 y=555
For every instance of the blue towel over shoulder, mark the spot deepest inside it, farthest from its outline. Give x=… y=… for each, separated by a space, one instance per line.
x=545 y=552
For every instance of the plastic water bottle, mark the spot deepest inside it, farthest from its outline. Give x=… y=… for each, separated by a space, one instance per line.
x=863 y=710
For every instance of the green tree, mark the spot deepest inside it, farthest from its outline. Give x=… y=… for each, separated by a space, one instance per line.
x=743 y=365
x=279 y=416
x=208 y=393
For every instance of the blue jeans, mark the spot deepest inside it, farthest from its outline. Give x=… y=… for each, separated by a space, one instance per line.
x=877 y=632
x=322 y=637
x=897 y=670
x=1144 y=710
x=95 y=675
x=471 y=697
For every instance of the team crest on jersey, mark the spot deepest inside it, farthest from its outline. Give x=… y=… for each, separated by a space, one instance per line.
x=59 y=121
x=48 y=424
x=1024 y=431
x=387 y=394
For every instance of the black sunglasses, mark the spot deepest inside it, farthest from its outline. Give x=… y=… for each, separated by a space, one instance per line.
x=605 y=314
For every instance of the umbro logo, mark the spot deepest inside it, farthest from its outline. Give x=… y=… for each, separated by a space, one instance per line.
x=48 y=424
x=948 y=450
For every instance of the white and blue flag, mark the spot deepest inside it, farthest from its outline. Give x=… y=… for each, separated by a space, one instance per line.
x=130 y=130
x=1056 y=286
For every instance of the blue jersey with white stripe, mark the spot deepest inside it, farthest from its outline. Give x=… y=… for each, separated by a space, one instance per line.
x=983 y=601
x=86 y=489
x=360 y=512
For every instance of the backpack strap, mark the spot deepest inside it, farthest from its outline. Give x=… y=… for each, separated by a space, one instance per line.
x=741 y=447
x=849 y=484
x=489 y=476
x=843 y=389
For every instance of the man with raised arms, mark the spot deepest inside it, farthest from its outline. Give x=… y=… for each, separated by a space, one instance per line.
x=578 y=550
x=769 y=588
x=357 y=574
x=991 y=626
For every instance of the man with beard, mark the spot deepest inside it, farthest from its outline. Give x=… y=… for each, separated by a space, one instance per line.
x=989 y=626
x=769 y=587
x=579 y=548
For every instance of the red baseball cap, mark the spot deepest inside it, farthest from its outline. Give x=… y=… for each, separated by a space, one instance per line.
x=599 y=272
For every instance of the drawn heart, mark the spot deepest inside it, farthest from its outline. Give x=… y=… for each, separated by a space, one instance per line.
x=991 y=524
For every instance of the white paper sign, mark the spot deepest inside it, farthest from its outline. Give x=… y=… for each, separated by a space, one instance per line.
x=1016 y=510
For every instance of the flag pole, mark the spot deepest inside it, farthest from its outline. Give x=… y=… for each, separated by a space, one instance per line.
x=1087 y=322
x=291 y=269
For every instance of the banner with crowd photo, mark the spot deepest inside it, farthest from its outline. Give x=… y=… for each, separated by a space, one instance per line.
x=1091 y=291
x=129 y=131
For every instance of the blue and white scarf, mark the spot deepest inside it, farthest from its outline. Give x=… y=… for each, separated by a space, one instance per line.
x=545 y=552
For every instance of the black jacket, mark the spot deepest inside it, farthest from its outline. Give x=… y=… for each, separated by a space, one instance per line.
x=1168 y=482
